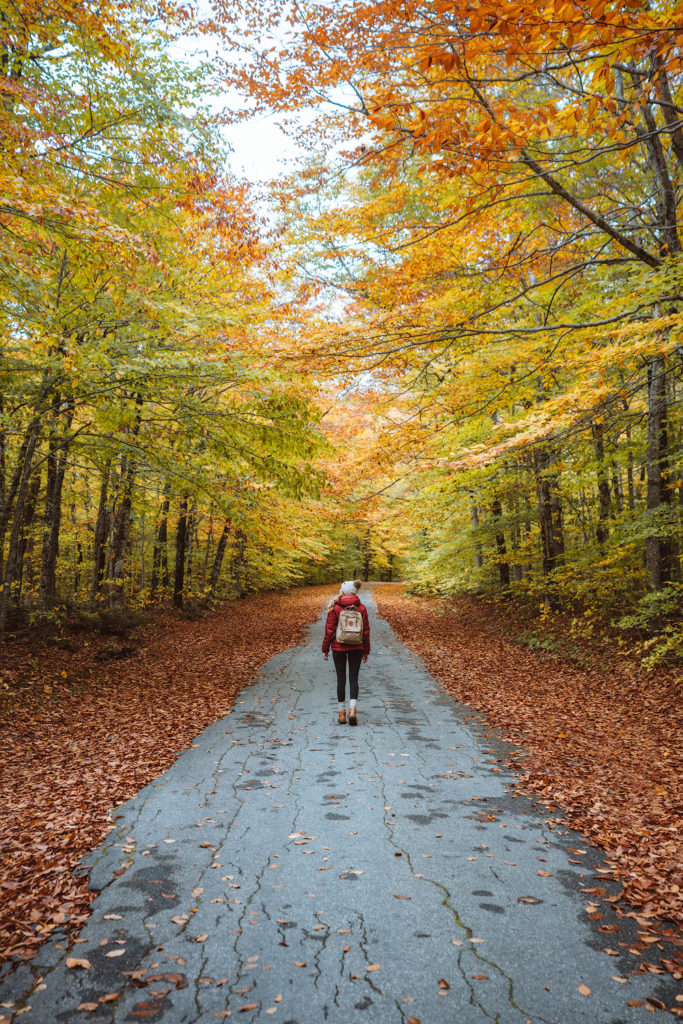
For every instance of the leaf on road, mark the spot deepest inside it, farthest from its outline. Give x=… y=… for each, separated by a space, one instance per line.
x=115 y=952
x=397 y=896
x=584 y=990
x=73 y=961
x=372 y=967
x=247 y=1007
x=480 y=977
x=200 y=938
x=442 y=983
x=544 y=874
x=90 y=1007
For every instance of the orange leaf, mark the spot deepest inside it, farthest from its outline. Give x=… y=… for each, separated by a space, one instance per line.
x=373 y=967
x=584 y=990
x=72 y=961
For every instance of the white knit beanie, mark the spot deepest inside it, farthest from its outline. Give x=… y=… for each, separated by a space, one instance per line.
x=348 y=587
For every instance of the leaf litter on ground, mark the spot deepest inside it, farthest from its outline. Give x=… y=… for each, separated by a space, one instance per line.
x=598 y=744
x=81 y=735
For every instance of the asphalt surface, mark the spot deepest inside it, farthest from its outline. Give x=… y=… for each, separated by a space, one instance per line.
x=293 y=870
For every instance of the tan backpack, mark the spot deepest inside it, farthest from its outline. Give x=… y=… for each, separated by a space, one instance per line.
x=350 y=626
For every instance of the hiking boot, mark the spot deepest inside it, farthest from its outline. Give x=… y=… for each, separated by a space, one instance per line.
x=342 y=718
x=352 y=717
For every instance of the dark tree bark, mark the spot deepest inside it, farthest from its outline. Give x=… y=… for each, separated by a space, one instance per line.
x=25 y=469
x=102 y=526
x=56 y=469
x=237 y=567
x=658 y=547
x=474 y=514
x=218 y=559
x=602 y=531
x=122 y=518
x=549 y=511
x=180 y=552
x=160 y=556
x=501 y=548
x=25 y=559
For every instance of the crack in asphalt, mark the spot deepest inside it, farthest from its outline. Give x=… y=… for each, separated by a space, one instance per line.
x=283 y=793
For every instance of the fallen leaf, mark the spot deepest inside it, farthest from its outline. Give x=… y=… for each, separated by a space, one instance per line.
x=544 y=874
x=480 y=977
x=90 y=1007
x=584 y=990
x=200 y=938
x=397 y=896
x=115 y=952
x=373 y=967
x=72 y=961
x=299 y=963
x=247 y=1007
x=442 y=983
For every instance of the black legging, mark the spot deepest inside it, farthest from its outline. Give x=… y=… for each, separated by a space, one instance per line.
x=354 y=659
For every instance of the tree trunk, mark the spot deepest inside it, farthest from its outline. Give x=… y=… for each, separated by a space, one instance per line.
x=366 y=555
x=121 y=528
x=180 y=551
x=238 y=561
x=25 y=558
x=191 y=526
x=602 y=531
x=218 y=559
x=474 y=514
x=100 y=541
x=29 y=447
x=160 y=556
x=658 y=548
x=207 y=551
x=56 y=469
x=503 y=564
x=121 y=524
x=549 y=511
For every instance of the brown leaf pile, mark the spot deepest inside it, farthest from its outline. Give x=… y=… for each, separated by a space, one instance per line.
x=80 y=735
x=599 y=744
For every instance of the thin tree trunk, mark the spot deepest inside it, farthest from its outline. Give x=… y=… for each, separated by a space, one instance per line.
x=209 y=542
x=501 y=548
x=658 y=553
x=56 y=463
x=602 y=531
x=474 y=514
x=180 y=551
x=100 y=541
x=218 y=559
x=160 y=557
x=549 y=511
x=31 y=441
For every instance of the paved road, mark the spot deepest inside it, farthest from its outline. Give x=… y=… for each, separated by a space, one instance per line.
x=322 y=873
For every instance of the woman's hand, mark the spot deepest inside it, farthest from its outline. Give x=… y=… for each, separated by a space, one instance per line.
x=326 y=656
x=365 y=658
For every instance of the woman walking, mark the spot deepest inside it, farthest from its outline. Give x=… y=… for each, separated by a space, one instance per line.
x=349 y=637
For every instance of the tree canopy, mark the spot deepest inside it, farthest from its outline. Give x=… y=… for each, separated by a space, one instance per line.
x=450 y=351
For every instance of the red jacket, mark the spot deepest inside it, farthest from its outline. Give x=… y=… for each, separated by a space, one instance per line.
x=345 y=601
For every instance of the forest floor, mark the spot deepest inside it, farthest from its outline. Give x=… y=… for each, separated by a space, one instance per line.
x=598 y=743
x=86 y=720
